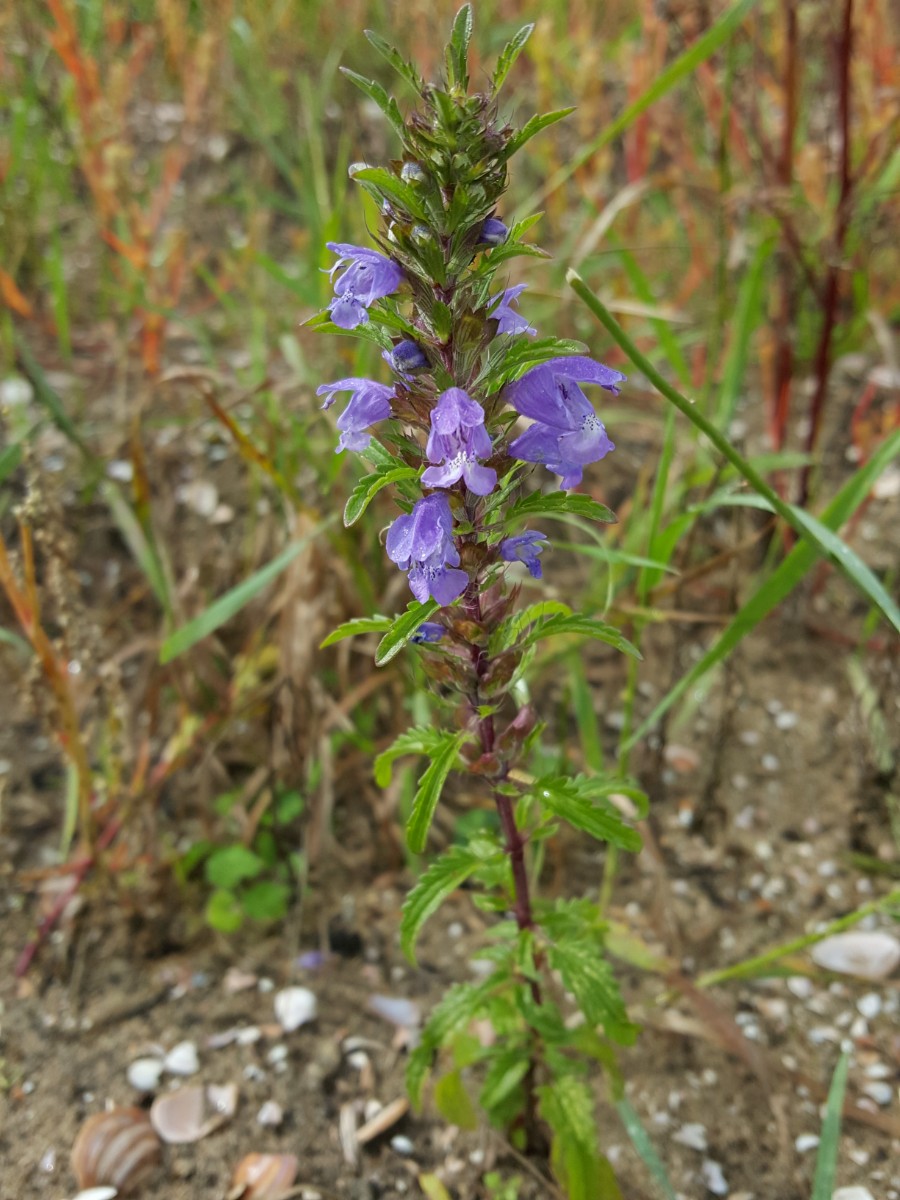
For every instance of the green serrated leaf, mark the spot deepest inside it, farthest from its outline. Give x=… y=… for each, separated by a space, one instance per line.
x=369 y=487
x=422 y=739
x=355 y=627
x=532 y=127
x=506 y=1071
x=567 y=1105
x=556 y=504
x=433 y=887
x=508 y=56
x=402 y=629
x=406 y=70
x=573 y=801
x=589 y=977
x=584 y=627
x=453 y=1102
x=386 y=103
x=507 y=633
x=401 y=192
x=266 y=900
x=458 y=47
x=224 y=912
x=443 y=760
x=459 y=1006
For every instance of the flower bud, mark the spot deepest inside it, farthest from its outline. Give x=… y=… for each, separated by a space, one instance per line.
x=493 y=232
x=407 y=356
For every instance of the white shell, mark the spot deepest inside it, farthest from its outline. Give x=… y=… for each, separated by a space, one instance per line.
x=97 y=1193
x=144 y=1074
x=193 y=1112
x=397 y=1009
x=294 y=1006
x=863 y=954
x=852 y=1193
x=182 y=1059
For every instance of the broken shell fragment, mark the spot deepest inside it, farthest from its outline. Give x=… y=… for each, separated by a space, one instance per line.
x=193 y=1112
x=264 y=1176
x=182 y=1059
x=294 y=1006
x=118 y=1148
x=271 y=1114
x=97 y=1193
x=867 y=955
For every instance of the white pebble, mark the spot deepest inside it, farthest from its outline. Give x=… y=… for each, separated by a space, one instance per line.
x=270 y=1115
x=97 y=1193
x=182 y=1059
x=806 y=1141
x=882 y=1093
x=692 y=1135
x=770 y=762
x=713 y=1177
x=869 y=1005
x=144 y=1074
x=402 y=1145
x=852 y=1193
x=786 y=720
x=294 y=1006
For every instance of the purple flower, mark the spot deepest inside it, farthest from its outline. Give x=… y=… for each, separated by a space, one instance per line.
x=457 y=439
x=508 y=320
x=369 y=403
x=567 y=433
x=369 y=277
x=405 y=358
x=493 y=232
x=524 y=548
x=428 y=631
x=421 y=543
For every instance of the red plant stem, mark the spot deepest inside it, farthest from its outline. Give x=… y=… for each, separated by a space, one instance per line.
x=784 y=352
x=822 y=369
x=80 y=871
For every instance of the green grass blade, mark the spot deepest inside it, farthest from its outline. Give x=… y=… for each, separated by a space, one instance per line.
x=826 y=1159
x=786 y=576
x=699 y=52
x=144 y=552
x=750 y=300
x=645 y=1148
x=808 y=527
x=233 y=601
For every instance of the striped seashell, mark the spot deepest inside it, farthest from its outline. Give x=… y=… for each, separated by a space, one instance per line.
x=118 y=1148
x=264 y=1176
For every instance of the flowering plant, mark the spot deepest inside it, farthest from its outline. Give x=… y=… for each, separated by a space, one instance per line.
x=446 y=435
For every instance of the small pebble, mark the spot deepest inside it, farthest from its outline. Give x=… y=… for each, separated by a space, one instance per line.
x=294 y=1006
x=402 y=1145
x=270 y=1115
x=881 y=1092
x=867 y=955
x=786 y=720
x=869 y=1005
x=806 y=1142
x=144 y=1074
x=182 y=1059
x=852 y=1193
x=692 y=1136
x=713 y=1177
x=800 y=986
x=770 y=762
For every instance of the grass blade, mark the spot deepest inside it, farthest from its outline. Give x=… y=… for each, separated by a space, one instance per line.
x=825 y=540
x=826 y=1159
x=645 y=1148
x=233 y=601
x=699 y=52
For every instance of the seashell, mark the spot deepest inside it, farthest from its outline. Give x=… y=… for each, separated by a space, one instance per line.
x=294 y=1006
x=118 y=1148
x=867 y=955
x=97 y=1193
x=182 y=1059
x=264 y=1176
x=193 y=1112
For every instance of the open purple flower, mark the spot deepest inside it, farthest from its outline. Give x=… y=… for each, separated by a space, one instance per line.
x=421 y=543
x=524 y=548
x=508 y=320
x=370 y=402
x=457 y=440
x=494 y=232
x=369 y=277
x=567 y=433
